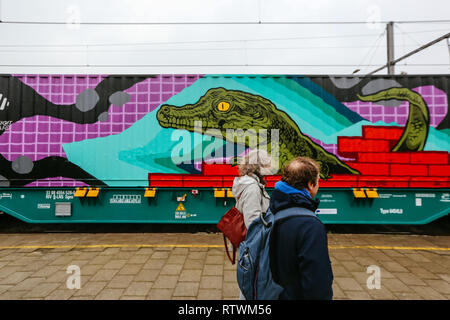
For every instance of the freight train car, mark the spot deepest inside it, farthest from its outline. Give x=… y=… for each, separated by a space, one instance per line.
x=163 y=148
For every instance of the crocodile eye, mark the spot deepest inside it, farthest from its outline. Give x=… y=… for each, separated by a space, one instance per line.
x=223 y=106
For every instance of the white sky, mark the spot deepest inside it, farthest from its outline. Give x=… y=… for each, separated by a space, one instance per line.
x=213 y=48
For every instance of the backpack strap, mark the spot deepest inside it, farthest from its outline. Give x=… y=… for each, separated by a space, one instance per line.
x=292 y=212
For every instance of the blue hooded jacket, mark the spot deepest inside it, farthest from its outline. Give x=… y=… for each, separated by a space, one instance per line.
x=300 y=248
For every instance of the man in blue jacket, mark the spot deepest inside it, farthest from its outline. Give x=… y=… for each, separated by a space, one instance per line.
x=299 y=247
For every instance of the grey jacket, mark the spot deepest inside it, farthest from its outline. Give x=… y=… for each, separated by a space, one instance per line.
x=251 y=197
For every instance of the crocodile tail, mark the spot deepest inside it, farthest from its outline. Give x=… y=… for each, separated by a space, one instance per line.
x=416 y=131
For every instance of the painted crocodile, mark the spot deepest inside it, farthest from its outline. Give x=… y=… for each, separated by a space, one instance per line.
x=224 y=109
x=416 y=130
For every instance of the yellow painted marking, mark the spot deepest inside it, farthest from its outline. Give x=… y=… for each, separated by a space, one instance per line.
x=203 y=246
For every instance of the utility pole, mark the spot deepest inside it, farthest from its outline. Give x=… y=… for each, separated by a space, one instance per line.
x=429 y=44
x=390 y=47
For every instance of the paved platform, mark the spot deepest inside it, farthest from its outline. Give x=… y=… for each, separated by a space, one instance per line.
x=194 y=266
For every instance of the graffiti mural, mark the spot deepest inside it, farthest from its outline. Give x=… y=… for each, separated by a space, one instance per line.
x=72 y=130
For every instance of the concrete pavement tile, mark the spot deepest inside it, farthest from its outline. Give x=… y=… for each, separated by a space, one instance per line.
x=124 y=254
x=337 y=292
x=48 y=271
x=229 y=276
x=88 y=255
x=35 y=266
x=341 y=255
x=160 y=255
x=186 y=289
x=81 y=298
x=147 y=275
x=160 y=294
x=171 y=269
x=393 y=266
x=102 y=260
x=395 y=285
x=154 y=264
x=405 y=262
x=199 y=249
x=107 y=252
x=393 y=253
x=230 y=290
x=165 y=282
x=382 y=294
x=27 y=284
x=214 y=259
x=138 y=259
x=358 y=295
x=5 y=287
x=90 y=270
x=227 y=266
x=115 y=264
x=216 y=251
x=212 y=270
x=428 y=293
x=352 y=266
x=340 y=271
x=120 y=282
x=193 y=264
x=90 y=289
x=211 y=282
x=15 y=278
x=110 y=294
x=433 y=267
x=417 y=257
x=409 y=279
x=104 y=275
x=386 y=274
x=440 y=286
x=60 y=294
x=132 y=298
x=445 y=277
x=176 y=259
x=145 y=251
x=379 y=256
x=408 y=296
x=78 y=262
x=348 y=284
x=64 y=260
x=22 y=261
x=182 y=298
x=131 y=269
x=209 y=294
x=361 y=277
x=140 y=288
x=13 y=295
x=182 y=251
x=190 y=275
x=7 y=271
x=41 y=291
x=196 y=255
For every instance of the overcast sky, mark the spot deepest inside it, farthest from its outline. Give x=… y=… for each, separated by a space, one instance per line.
x=239 y=46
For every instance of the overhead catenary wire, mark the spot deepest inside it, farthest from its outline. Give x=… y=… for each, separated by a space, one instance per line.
x=190 y=49
x=205 y=65
x=374 y=47
x=124 y=44
x=255 y=22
